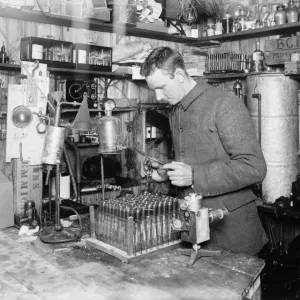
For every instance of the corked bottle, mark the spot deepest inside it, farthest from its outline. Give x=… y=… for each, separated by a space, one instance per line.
x=292 y=12
x=280 y=15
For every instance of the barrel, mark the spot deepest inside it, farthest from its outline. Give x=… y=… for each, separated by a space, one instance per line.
x=276 y=119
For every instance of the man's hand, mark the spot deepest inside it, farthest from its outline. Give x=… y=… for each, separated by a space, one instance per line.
x=179 y=173
x=158 y=173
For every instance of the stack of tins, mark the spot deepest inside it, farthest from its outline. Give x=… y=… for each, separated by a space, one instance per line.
x=276 y=119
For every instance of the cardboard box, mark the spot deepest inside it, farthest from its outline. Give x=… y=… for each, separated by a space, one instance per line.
x=6 y=202
x=292 y=67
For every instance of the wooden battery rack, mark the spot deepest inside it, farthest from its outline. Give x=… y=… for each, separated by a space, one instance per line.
x=130 y=240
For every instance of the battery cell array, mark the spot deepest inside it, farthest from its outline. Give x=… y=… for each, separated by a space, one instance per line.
x=137 y=223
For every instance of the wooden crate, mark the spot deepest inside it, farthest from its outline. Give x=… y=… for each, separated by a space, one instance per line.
x=27 y=185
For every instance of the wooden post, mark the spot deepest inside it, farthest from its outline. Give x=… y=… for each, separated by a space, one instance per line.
x=92 y=220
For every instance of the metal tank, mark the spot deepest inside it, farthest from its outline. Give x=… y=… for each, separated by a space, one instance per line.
x=109 y=133
x=53 y=145
x=272 y=101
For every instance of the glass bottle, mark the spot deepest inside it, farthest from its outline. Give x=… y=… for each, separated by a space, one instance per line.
x=257 y=59
x=292 y=12
x=242 y=19
x=3 y=54
x=280 y=15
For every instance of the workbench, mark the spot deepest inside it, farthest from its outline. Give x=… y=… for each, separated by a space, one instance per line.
x=33 y=270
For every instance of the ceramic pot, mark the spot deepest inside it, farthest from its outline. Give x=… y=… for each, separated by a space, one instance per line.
x=292 y=12
x=280 y=15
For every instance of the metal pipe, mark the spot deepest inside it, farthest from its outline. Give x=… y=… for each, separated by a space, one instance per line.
x=78 y=166
x=57 y=226
x=73 y=180
x=258 y=96
x=102 y=178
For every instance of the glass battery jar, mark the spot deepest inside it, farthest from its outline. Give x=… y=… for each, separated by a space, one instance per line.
x=227 y=23
x=210 y=29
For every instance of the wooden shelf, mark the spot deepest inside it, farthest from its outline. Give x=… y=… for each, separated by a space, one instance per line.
x=96 y=25
x=10 y=67
x=225 y=76
x=86 y=73
x=131 y=30
x=71 y=72
x=251 y=33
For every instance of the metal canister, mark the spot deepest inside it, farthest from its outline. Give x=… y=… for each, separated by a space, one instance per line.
x=53 y=145
x=276 y=119
x=109 y=133
x=194 y=202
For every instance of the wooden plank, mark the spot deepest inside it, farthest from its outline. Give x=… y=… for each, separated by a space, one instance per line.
x=124 y=257
x=27 y=185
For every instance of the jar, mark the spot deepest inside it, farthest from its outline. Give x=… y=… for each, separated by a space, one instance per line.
x=292 y=12
x=218 y=28
x=242 y=19
x=210 y=29
x=280 y=15
x=227 y=23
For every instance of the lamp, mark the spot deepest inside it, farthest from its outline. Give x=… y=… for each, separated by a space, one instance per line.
x=21 y=117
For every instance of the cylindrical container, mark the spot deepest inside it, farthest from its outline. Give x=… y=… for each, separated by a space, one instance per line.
x=194 y=202
x=37 y=51
x=109 y=134
x=295 y=56
x=227 y=23
x=218 y=28
x=53 y=145
x=82 y=56
x=276 y=114
x=280 y=15
x=210 y=29
x=292 y=12
x=64 y=186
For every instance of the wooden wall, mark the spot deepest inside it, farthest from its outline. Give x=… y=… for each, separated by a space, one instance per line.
x=15 y=30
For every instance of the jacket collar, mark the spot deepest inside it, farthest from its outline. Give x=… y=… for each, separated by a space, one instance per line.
x=193 y=94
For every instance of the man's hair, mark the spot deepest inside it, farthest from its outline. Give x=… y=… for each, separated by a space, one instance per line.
x=164 y=58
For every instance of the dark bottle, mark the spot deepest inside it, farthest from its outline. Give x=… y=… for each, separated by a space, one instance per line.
x=3 y=54
x=296 y=193
x=35 y=221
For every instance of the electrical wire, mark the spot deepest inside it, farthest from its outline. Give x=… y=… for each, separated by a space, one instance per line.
x=41 y=9
x=25 y=68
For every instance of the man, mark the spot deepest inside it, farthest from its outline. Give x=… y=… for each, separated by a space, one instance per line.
x=216 y=149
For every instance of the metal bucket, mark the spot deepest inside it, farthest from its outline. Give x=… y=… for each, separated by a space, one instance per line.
x=53 y=146
x=279 y=130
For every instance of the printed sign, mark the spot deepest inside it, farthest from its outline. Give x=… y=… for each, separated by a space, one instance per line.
x=277 y=52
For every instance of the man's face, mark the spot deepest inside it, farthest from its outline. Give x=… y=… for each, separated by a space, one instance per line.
x=166 y=88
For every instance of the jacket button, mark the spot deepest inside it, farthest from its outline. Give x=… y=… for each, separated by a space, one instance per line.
x=181 y=153
x=180 y=129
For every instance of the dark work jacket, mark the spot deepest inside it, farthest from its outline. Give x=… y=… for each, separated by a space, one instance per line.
x=213 y=132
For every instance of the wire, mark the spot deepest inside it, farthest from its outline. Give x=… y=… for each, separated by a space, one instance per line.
x=125 y=96
x=25 y=68
x=41 y=9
